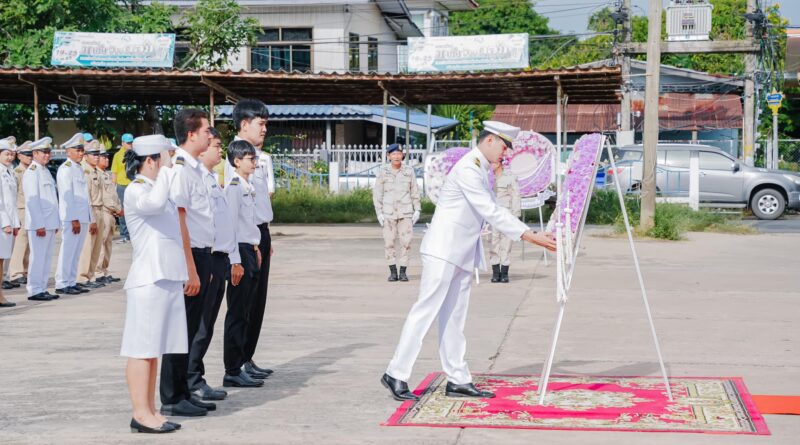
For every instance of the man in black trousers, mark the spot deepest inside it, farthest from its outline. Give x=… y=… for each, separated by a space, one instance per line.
x=191 y=197
x=250 y=120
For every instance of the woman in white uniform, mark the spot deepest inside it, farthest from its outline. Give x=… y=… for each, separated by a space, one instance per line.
x=9 y=219
x=155 y=321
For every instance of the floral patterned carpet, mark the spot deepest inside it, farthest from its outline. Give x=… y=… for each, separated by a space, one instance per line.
x=702 y=405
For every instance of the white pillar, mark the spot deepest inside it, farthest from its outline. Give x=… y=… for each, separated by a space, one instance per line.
x=333 y=177
x=694 y=180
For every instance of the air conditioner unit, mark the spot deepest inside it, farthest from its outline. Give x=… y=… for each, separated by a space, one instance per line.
x=688 y=20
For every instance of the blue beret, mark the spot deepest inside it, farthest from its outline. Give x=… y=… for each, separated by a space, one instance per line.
x=392 y=148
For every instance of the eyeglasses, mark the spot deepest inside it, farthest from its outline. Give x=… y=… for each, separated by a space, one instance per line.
x=250 y=158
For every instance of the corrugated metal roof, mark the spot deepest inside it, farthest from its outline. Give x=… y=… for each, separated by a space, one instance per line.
x=676 y=111
x=175 y=87
x=371 y=113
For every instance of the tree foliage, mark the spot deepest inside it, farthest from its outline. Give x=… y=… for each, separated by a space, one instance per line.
x=215 y=30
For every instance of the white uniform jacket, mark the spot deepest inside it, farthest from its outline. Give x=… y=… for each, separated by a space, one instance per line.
x=154 y=227
x=73 y=202
x=465 y=202
x=41 y=201
x=8 y=198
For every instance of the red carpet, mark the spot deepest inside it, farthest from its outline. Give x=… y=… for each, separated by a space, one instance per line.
x=718 y=405
x=778 y=404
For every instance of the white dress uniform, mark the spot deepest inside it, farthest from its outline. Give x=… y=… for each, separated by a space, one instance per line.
x=8 y=210
x=450 y=250
x=41 y=212
x=262 y=179
x=73 y=204
x=155 y=318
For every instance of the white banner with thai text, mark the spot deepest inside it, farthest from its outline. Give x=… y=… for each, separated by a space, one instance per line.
x=113 y=50
x=468 y=53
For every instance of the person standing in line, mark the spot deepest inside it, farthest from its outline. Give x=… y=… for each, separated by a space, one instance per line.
x=224 y=245
x=9 y=221
x=93 y=245
x=506 y=191
x=155 y=317
x=18 y=269
x=245 y=265
x=397 y=204
x=41 y=219
x=76 y=216
x=121 y=180
x=112 y=208
x=250 y=120
x=190 y=195
x=450 y=250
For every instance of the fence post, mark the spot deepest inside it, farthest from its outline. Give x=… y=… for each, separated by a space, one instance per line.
x=333 y=177
x=694 y=180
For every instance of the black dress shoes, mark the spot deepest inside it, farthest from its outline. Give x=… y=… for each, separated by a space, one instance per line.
x=8 y=304
x=205 y=392
x=81 y=290
x=20 y=281
x=398 y=388
x=241 y=381
x=253 y=373
x=251 y=365
x=8 y=285
x=54 y=296
x=177 y=426
x=69 y=291
x=184 y=408
x=166 y=427
x=113 y=279
x=201 y=404
x=466 y=390
x=41 y=296
x=93 y=285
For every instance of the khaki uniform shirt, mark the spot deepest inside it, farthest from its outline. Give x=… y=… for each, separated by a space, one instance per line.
x=18 y=172
x=93 y=185
x=396 y=194
x=109 y=193
x=506 y=189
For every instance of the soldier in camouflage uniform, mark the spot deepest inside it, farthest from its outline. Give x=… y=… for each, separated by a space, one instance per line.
x=397 y=204
x=506 y=190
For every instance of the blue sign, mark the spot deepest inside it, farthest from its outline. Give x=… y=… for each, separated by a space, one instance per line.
x=774 y=99
x=89 y=49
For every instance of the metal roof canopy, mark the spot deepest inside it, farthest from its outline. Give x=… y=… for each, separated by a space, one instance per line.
x=598 y=85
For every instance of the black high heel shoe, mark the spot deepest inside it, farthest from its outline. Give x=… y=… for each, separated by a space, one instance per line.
x=166 y=427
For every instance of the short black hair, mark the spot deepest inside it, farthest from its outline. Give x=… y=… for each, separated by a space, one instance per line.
x=188 y=120
x=134 y=162
x=239 y=149
x=485 y=133
x=247 y=110
x=214 y=133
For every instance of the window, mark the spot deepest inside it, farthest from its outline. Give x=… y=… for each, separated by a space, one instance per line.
x=419 y=19
x=438 y=25
x=678 y=158
x=714 y=161
x=282 y=49
x=355 y=53
x=372 y=54
x=181 y=48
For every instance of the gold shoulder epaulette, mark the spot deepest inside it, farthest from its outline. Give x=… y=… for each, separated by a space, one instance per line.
x=179 y=160
x=235 y=181
x=68 y=163
x=478 y=162
x=138 y=181
x=33 y=167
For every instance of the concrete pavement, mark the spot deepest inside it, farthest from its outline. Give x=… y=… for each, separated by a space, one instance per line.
x=724 y=305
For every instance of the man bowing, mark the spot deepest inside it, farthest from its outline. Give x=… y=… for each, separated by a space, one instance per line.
x=450 y=250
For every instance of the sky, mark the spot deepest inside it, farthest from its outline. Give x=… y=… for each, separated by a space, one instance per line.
x=573 y=15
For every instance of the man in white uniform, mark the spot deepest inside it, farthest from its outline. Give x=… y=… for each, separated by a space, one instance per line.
x=41 y=219
x=75 y=213
x=450 y=250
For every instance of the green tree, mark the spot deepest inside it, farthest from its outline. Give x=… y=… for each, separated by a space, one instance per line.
x=216 y=29
x=468 y=116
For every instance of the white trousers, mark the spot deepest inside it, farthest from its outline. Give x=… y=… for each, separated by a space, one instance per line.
x=443 y=294
x=41 y=258
x=70 y=253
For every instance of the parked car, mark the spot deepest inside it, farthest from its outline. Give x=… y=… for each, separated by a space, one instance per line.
x=724 y=181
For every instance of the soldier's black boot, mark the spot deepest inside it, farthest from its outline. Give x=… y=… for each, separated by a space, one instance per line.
x=504 y=274
x=495 y=273
x=403 y=276
x=392 y=273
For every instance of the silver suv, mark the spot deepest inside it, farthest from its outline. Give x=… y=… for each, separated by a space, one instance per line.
x=724 y=181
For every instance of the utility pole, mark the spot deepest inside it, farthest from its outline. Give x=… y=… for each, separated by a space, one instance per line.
x=652 y=85
x=624 y=61
x=748 y=124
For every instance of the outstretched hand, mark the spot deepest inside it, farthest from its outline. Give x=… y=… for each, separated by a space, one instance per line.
x=544 y=239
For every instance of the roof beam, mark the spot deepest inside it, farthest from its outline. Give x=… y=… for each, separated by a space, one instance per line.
x=714 y=46
x=230 y=96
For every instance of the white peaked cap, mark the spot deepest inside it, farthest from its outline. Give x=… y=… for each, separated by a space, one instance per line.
x=505 y=131
x=9 y=143
x=150 y=145
x=75 y=141
x=41 y=144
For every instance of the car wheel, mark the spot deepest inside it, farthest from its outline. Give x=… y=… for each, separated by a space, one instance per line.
x=768 y=204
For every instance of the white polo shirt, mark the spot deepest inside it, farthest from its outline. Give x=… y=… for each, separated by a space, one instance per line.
x=189 y=191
